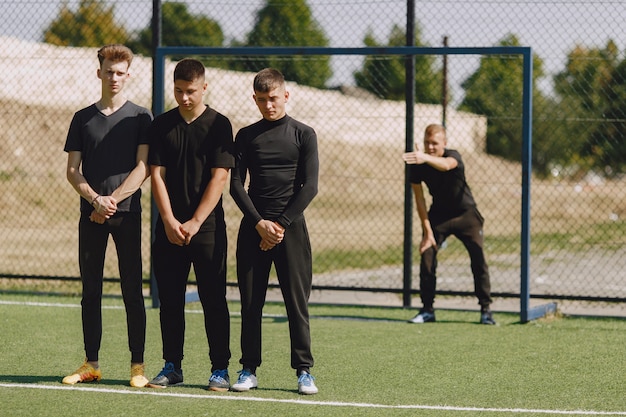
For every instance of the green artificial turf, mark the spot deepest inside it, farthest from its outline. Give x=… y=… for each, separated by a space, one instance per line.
x=369 y=362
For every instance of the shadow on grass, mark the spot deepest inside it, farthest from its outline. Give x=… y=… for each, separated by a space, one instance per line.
x=30 y=379
x=38 y=379
x=204 y=388
x=358 y=318
x=35 y=379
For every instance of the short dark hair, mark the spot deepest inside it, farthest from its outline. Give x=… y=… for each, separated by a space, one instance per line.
x=189 y=69
x=115 y=53
x=268 y=79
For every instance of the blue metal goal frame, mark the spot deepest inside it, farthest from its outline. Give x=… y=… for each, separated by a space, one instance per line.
x=526 y=312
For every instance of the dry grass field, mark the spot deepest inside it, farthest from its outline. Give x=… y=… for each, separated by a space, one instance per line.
x=359 y=208
x=360 y=204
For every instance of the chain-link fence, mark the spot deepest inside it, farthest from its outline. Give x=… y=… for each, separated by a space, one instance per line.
x=355 y=103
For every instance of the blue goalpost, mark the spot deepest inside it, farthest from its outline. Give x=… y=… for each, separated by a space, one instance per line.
x=527 y=312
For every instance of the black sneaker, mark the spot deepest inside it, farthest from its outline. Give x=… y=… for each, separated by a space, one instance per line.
x=168 y=377
x=486 y=317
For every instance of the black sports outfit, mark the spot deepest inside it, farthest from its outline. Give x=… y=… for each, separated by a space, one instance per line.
x=108 y=146
x=188 y=151
x=453 y=212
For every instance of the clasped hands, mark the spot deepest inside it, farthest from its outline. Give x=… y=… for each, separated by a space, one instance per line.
x=271 y=234
x=105 y=206
x=180 y=234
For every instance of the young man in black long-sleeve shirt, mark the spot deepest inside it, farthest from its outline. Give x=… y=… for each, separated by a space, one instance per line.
x=280 y=155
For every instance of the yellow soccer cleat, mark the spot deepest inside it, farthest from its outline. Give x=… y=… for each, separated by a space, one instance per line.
x=86 y=373
x=137 y=375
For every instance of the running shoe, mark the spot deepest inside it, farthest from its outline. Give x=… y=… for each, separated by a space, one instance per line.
x=424 y=316
x=168 y=377
x=486 y=317
x=246 y=381
x=306 y=384
x=219 y=380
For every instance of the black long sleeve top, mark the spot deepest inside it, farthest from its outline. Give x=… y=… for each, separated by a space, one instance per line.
x=282 y=161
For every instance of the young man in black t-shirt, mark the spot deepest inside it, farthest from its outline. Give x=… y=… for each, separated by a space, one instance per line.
x=191 y=154
x=107 y=150
x=280 y=156
x=453 y=212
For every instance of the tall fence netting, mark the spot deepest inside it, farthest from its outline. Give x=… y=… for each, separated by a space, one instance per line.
x=356 y=104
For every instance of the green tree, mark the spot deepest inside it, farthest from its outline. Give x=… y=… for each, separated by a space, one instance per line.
x=181 y=28
x=93 y=24
x=281 y=23
x=385 y=76
x=607 y=143
x=582 y=84
x=495 y=90
x=588 y=89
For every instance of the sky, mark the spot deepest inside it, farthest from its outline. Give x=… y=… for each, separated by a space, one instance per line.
x=551 y=28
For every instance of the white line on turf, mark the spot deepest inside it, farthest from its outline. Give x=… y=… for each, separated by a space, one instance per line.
x=192 y=311
x=237 y=397
x=63 y=305
x=297 y=401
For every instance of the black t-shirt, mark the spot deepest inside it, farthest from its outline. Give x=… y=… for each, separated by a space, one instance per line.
x=282 y=160
x=189 y=151
x=451 y=194
x=108 y=147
